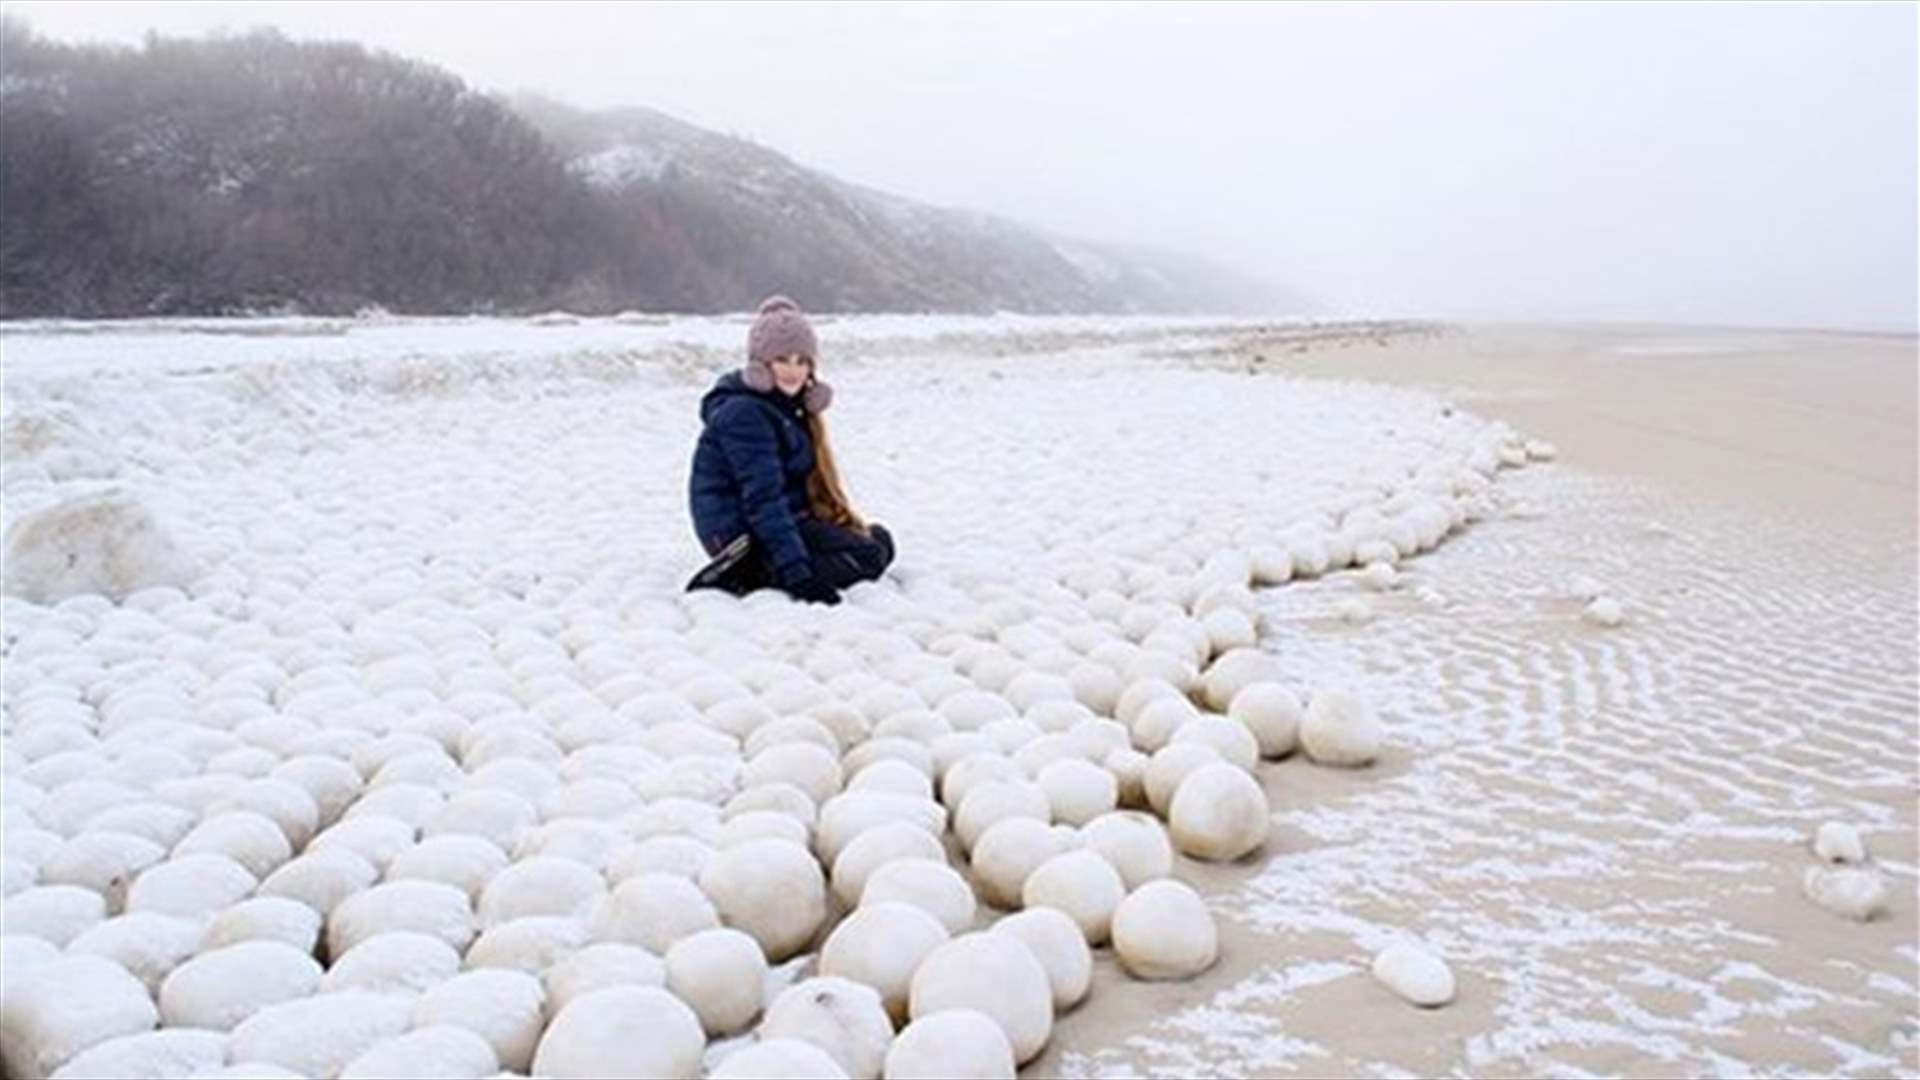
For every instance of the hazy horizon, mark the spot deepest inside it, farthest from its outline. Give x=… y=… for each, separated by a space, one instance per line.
x=1714 y=165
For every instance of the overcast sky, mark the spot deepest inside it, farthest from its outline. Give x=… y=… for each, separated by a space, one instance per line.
x=1718 y=163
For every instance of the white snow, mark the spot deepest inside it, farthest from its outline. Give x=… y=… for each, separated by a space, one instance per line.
x=422 y=668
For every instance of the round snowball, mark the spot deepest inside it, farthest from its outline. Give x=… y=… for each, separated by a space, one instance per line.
x=1154 y=726
x=55 y=913
x=1219 y=813
x=840 y=1016
x=1163 y=930
x=1135 y=844
x=779 y=1059
x=1170 y=766
x=1272 y=713
x=317 y=1036
x=994 y=974
x=188 y=886
x=881 y=945
x=1081 y=885
x=877 y=847
x=1078 y=791
x=719 y=973
x=57 y=1009
x=599 y=966
x=442 y=1050
x=1230 y=738
x=623 y=1031
x=221 y=988
x=1340 y=729
x=772 y=889
x=1061 y=947
x=423 y=906
x=1234 y=672
x=322 y=879
x=1415 y=974
x=1008 y=853
x=396 y=962
x=933 y=887
x=653 y=911
x=963 y=1044
x=265 y=918
x=1129 y=769
x=540 y=885
x=504 y=1007
x=997 y=801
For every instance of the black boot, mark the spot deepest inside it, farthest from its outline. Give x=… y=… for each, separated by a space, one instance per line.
x=736 y=569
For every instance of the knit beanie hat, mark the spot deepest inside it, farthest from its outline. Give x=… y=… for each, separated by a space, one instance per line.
x=781 y=330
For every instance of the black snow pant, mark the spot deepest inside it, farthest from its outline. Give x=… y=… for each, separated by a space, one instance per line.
x=841 y=557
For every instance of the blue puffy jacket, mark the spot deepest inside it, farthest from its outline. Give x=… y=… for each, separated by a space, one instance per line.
x=750 y=472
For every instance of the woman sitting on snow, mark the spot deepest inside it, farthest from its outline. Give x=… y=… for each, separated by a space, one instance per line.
x=765 y=494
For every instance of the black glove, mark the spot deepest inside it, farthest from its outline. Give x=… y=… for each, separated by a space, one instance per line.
x=813 y=590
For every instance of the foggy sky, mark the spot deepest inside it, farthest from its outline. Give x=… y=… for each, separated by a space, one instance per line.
x=1725 y=163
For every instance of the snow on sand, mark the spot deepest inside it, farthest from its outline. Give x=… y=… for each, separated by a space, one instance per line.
x=398 y=678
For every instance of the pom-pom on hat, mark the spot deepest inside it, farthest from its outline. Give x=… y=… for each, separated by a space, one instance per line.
x=781 y=330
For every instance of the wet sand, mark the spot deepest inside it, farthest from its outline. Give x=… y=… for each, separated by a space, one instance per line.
x=1604 y=830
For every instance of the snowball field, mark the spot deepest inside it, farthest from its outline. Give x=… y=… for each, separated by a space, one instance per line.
x=355 y=722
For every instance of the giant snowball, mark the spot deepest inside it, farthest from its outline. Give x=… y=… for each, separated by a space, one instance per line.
x=996 y=801
x=1061 y=947
x=221 y=988
x=441 y=1050
x=396 y=962
x=1134 y=843
x=845 y=1018
x=55 y=913
x=653 y=911
x=1272 y=713
x=1415 y=974
x=190 y=886
x=952 y=1044
x=104 y=542
x=875 y=848
x=846 y=816
x=425 y=907
x=1340 y=729
x=540 y=885
x=598 y=966
x=933 y=887
x=317 y=1036
x=772 y=889
x=1163 y=930
x=994 y=974
x=1170 y=766
x=1081 y=885
x=1078 y=790
x=1218 y=813
x=151 y=1054
x=321 y=879
x=1235 y=744
x=779 y=1059
x=720 y=974
x=55 y=1010
x=881 y=945
x=1234 y=672
x=506 y=1008
x=1008 y=853
x=624 y=1031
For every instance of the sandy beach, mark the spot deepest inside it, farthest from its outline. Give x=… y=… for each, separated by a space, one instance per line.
x=1615 y=826
x=387 y=536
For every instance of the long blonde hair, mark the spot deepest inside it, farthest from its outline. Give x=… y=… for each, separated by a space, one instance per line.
x=825 y=493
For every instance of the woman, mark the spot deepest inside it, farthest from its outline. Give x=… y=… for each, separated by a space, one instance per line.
x=765 y=492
